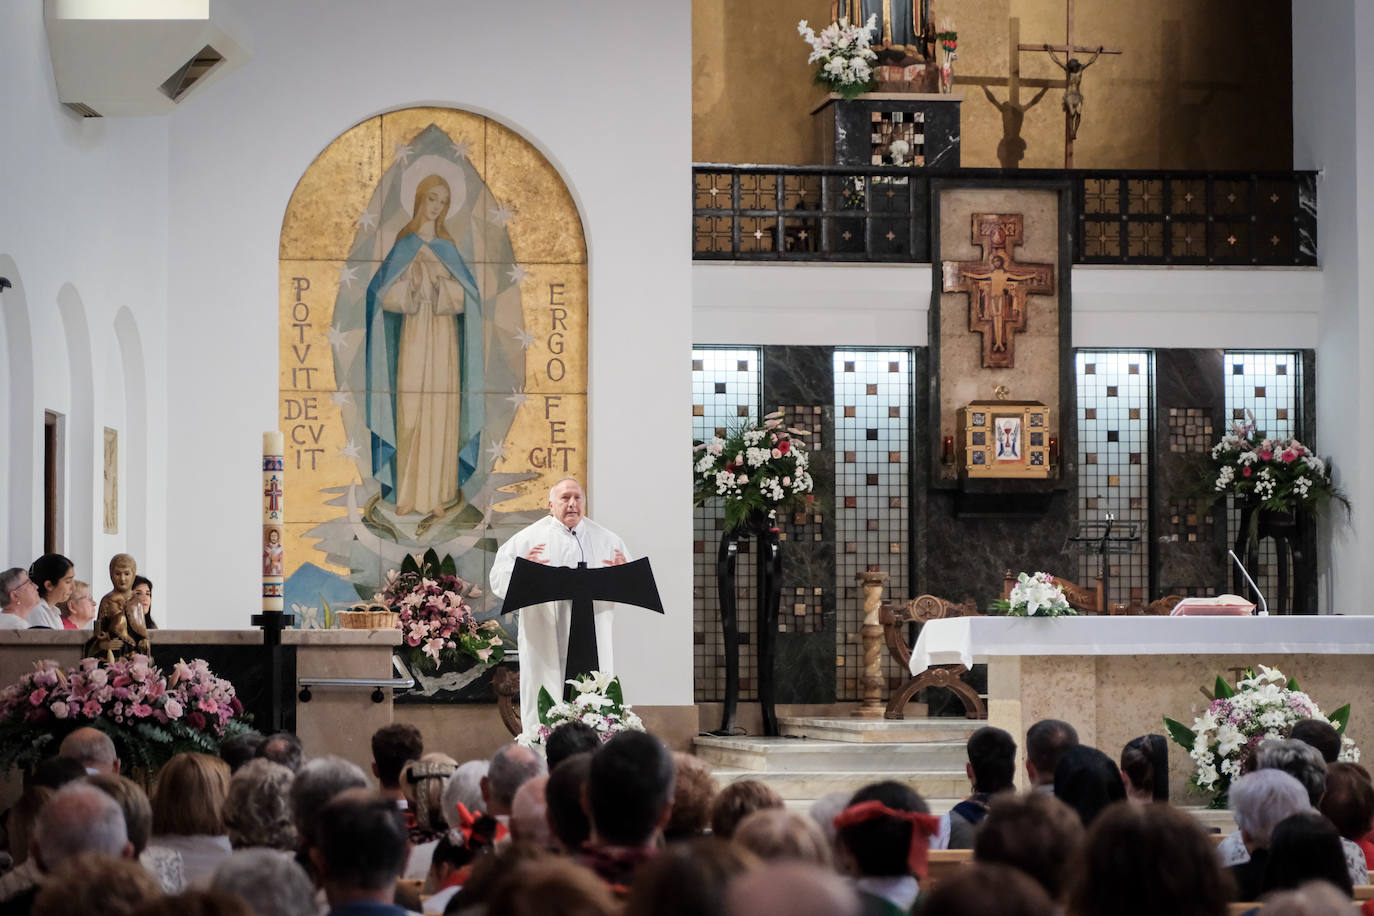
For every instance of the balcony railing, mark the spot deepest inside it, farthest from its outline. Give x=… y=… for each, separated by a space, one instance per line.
x=881 y=213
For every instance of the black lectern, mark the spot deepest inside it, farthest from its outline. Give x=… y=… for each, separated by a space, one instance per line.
x=536 y=583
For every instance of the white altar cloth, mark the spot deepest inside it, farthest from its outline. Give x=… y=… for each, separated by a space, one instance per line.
x=965 y=640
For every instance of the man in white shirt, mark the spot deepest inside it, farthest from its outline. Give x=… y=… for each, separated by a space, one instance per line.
x=18 y=596
x=565 y=537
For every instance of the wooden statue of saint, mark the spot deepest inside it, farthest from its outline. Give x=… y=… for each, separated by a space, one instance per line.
x=121 y=626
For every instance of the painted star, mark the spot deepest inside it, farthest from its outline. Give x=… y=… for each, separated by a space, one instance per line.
x=460 y=149
x=517 y=273
x=501 y=215
x=340 y=398
x=497 y=451
x=402 y=153
x=368 y=220
x=350 y=450
x=337 y=338
x=518 y=397
x=347 y=274
x=525 y=338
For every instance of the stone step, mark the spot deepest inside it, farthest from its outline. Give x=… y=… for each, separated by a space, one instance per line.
x=782 y=755
x=877 y=731
x=803 y=785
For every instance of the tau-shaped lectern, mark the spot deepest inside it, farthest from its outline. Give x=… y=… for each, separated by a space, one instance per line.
x=536 y=583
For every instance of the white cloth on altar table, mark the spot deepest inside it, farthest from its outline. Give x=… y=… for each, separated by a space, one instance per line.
x=965 y=640
x=543 y=631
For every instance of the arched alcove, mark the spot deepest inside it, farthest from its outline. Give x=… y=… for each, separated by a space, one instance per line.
x=21 y=461
x=133 y=472
x=83 y=493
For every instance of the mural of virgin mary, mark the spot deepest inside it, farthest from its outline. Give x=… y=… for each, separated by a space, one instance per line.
x=423 y=322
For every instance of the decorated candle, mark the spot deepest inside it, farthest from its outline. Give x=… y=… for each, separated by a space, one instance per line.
x=273 y=517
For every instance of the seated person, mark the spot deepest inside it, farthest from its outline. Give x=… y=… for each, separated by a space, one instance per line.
x=1259 y=801
x=1305 y=847
x=1087 y=780
x=1036 y=834
x=883 y=842
x=1145 y=768
x=1349 y=804
x=991 y=768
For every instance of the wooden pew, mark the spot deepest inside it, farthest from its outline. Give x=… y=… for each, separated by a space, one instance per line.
x=943 y=864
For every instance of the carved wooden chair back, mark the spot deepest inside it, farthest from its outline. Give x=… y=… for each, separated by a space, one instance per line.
x=894 y=618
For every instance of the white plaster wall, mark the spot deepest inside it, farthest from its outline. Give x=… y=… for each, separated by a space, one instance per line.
x=604 y=91
x=1333 y=130
x=888 y=305
x=83 y=234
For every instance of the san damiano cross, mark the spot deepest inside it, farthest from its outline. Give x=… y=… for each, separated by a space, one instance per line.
x=997 y=286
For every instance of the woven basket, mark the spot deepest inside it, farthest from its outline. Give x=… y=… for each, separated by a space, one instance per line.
x=367 y=617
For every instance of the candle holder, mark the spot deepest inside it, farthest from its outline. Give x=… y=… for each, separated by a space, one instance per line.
x=947 y=452
x=1054 y=452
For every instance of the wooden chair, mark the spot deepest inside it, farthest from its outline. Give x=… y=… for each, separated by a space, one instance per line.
x=1364 y=892
x=943 y=864
x=894 y=619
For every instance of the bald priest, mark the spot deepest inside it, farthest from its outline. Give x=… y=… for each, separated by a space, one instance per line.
x=565 y=537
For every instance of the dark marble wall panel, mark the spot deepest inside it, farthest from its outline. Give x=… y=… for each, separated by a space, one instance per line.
x=1190 y=408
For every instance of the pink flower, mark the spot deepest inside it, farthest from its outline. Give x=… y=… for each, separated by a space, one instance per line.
x=91 y=710
x=173 y=709
x=59 y=710
x=1247 y=471
x=1266 y=455
x=141 y=710
x=38 y=696
x=208 y=705
x=1288 y=456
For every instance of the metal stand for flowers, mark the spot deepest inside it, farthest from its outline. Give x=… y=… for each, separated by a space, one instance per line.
x=1286 y=530
x=768 y=570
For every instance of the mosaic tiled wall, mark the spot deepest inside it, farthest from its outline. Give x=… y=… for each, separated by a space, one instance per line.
x=726 y=387
x=873 y=404
x=1267 y=385
x=1114 y=417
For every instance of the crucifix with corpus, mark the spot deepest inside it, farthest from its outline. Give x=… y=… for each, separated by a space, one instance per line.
x=1073 y=76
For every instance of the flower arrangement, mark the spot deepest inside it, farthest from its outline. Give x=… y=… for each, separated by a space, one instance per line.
x=757 y=468
x=844 y=55
x=149 y=716
x=1261 y=706
x=947 y=40
x=437 y=624
x=1281 y=474
x=599 y=703
x=1034 y=596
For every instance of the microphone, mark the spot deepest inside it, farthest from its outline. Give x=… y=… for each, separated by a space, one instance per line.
x=573 y=531
x=1264 y=605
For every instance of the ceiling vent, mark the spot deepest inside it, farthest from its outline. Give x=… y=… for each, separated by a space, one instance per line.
x=135 y=58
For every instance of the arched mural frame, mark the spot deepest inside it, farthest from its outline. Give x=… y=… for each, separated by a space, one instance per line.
x=379 y=429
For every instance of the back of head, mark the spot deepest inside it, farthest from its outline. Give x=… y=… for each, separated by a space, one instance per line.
x=361 y=841
x=1146 y=860
x=315 y=784
x=269 y=881
x=777 y=834
x=92 y=882
x=239 y=749
x=393 y=746
x=1145 y=762
x=1316 y=898
x=552 y=887
x=1305 y=847
x=489 y=873
x=629 y=787
x=1087 y=780
x=737 y=801
x=568 y=739
x=791 y=889
x=1046 y=742
x=257 y=809
x=989 y=890
x=823 y=811
x=511 y=767
x=694 y=790
x=284 y=748
x=992 y=756
x=1034 y=833
x=78 y=818
x=688 y=878
x=1319 y=733
x=188 y=799
x=196 y=903
x=133 y=801
x=1259 y=800
x=23 y=816
x=563 y=798
x=1298 y=759
x=1349 y=800
x=529 y=821
x=423 y=782
x=464 y=787
x=54 y=772
x=91 y=748
x=880 y=846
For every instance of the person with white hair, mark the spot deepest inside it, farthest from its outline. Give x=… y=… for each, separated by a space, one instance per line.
x=269 y=881
x=91 y=748
x=78 y=818
x=511 y=767
x=316 y=783
x=564 y=537
x=464 y=788
x=1259 y=801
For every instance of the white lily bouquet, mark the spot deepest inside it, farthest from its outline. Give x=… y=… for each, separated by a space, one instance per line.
x=1035 y=595
x=1260 y=706
x=598 y=702
x=843 y=53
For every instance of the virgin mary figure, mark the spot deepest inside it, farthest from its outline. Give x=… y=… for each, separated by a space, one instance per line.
x=423 y=322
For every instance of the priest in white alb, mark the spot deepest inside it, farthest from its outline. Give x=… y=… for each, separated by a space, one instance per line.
x=565 y=537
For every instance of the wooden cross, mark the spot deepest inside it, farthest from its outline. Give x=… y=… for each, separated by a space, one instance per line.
x=1073 y=77
x=997 y=285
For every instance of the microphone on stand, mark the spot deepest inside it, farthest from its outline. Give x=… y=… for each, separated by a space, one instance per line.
x=1264 y=605
x=573 y=531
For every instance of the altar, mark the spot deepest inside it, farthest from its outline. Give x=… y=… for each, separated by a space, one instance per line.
x=1114 y=678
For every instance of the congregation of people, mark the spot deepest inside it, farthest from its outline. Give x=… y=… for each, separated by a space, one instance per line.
x=625 y=826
